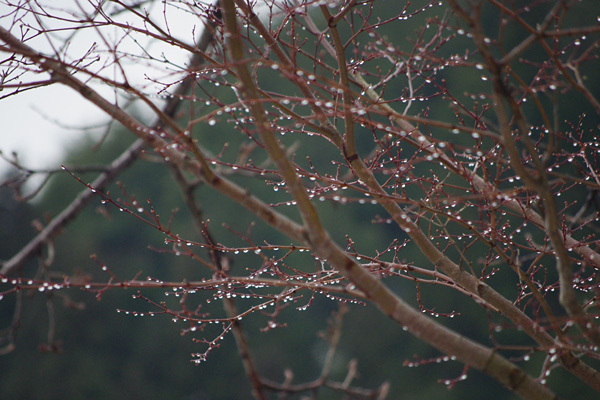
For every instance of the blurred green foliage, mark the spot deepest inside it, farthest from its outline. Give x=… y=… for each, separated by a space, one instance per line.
x=106 y=354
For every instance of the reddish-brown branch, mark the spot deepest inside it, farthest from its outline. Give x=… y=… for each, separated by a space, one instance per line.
x=334 y=97
x=446 y=340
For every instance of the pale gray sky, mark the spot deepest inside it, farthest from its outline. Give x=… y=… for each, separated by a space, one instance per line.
x=40 y=124
x=31 y=125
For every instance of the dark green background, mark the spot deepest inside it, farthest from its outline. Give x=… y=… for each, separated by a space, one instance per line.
x=110 y=355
